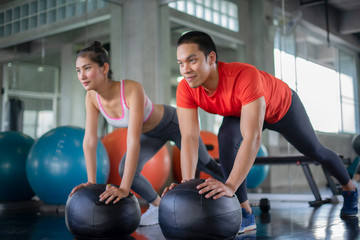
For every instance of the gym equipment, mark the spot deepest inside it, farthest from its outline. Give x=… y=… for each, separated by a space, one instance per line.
x=14 y=149
x=156 y=170
x=88 y=218
x=258 y=173
x=56 y=164
x=186 y=214
x=356 y=144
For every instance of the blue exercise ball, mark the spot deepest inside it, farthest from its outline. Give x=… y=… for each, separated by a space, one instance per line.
x=14 y=149
x=258 y=173
x=56 y=164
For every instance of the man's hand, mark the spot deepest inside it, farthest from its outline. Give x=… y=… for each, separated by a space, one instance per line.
x=215 y=189
x=113 y=193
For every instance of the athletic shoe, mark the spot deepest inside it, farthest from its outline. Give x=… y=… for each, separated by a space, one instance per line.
x=350 y=207
x=248 y=222
x=150 y=217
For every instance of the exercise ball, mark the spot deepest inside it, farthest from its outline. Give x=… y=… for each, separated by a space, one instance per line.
x=14 y=149
x=88 y=218
x=211 y=142
x=356 y=144
x=258 y=173
x=156 y=170
x=56 y=164
x=186 y=214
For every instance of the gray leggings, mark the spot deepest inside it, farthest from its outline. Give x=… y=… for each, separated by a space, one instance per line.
x=151 y=142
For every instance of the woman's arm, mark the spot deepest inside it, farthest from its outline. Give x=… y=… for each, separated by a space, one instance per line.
x=90 y=141
x=90 y=138
x=135 y=97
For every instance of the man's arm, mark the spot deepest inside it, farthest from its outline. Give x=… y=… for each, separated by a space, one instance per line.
x=251 y=124
x=190 y=133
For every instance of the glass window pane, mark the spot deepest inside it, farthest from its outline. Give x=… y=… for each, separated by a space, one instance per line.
x=81 y=8
x=33 y=22
x=25 y=24
x=8 y=29
x=70 y=10
x=208 y=15
x=216 y=18
x=16 y=13
x=33 y=7
x=61 y=13
x=190 y=8
x=232 y=9
x=199 y=11
x=8 y=17
x=2 y=17
x=42 y=18
x=181 y=6
x=43 y=5
x=348 y=112
x=25 y=10
x=216 y=5
x=207 y=3
x=52 y=3
x=16 y=27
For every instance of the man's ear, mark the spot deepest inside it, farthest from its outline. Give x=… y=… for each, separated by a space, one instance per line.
x=212 y=57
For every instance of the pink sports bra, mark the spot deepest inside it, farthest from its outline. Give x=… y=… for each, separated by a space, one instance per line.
x=123 y=121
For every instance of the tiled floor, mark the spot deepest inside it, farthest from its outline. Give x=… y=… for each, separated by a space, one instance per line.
x=290 y=217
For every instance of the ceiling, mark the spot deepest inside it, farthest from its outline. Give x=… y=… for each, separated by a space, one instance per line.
x=345 y=12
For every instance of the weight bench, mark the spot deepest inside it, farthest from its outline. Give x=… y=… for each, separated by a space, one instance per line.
x=304 y=162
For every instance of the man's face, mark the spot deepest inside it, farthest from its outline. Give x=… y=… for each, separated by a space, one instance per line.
x=193 y=64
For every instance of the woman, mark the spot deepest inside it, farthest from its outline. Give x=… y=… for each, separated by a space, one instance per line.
x=125 y=104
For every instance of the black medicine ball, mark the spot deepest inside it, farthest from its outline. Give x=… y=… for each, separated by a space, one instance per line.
x=87 y=218
x=186 y=214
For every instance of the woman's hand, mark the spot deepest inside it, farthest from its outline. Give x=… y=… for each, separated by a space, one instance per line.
x=215 y=189
x=171 y=187
x=78 y=187
x=113 y=193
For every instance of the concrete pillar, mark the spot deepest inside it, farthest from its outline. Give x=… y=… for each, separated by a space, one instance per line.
x=260 y=43
x=72 y=95
x=141 y=38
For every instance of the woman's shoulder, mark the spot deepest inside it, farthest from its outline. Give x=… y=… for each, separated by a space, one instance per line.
x=132 y=86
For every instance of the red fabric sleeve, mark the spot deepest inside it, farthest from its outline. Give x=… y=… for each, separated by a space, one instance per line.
x=184 y=96
x=250 y=86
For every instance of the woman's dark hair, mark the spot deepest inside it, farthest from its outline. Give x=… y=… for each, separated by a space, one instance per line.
x=203 y=40
x=96 y=53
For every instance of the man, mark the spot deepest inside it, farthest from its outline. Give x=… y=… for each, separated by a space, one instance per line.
x=250 y=100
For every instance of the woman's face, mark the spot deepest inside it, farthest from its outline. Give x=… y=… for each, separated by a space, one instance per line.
x=89 y=73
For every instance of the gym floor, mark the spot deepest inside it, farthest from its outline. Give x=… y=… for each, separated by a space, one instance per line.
x=290 y=217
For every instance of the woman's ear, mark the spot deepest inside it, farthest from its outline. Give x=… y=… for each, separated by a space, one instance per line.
x=106 y=68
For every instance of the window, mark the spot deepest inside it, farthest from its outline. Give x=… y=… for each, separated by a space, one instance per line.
x=220 y=12
x=36 y=87
x=32 y=14
x=323 y=76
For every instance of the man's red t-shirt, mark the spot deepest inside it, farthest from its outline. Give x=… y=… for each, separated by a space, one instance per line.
x=239 y=84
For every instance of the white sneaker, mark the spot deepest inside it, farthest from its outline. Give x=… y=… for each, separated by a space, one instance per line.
x=150 y=217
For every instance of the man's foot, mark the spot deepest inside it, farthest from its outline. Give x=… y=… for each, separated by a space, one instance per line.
x=350 y=207
x=248 y=222
x=150 y=217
